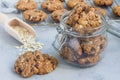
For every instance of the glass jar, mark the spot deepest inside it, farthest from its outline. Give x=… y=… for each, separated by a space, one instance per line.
x=82 y=48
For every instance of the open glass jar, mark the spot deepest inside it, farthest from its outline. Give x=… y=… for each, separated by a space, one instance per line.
x=82 y=48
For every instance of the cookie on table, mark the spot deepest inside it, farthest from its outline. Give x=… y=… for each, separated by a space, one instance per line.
x=26 y=4
x=31 y=63
x=98 y=9
x=72 y=3
x=103 y=2
x=89 y=60
x=26 y=64
x=52 y=5
x=48 y=65
x=34 y=15
x=116 y=10
x=56 y=15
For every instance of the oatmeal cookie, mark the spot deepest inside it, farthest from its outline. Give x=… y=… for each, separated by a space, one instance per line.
x=79 y=8
x=103 y=2
x=98 y=9
x=26 y=64
x=31 y=63
x=52 y=5
x=73 y=3
x=26 y=5
x=116 y=10
x=89 y=60
x=48 y=65
x=85 y=23
x=34 y=15
x=93 y=46
x=56 y=15
x=72 y=50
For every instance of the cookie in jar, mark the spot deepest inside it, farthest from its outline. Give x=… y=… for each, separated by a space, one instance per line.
x=85 y=47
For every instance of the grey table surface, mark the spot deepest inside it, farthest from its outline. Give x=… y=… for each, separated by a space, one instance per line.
x=107 y=69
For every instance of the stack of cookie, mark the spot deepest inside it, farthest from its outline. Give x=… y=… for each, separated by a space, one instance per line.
x=83 y=19
x=83 y=51
x=31 y=63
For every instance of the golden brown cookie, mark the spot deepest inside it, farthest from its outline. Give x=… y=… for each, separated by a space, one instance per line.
x=71 y=50
x=73 y=3
x=89 y=60
x=69 y=54
x=116 y=10
x=76 y=11
x=52 y=5
x=103 y=2
x=98 y=9
x=85 y=23
x=31 y=63
x=56 y=15
x=48 y=65
x=26 y=5
x=34 y=15
x=93 y=46
x=26 y=64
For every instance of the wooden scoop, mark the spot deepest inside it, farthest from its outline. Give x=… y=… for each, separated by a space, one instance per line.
x=9 y=23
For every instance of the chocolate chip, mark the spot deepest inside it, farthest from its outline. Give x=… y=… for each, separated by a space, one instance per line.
x=93 y=49
x=84 y=55
x=38 y=57
x=36 y=65
x=101 y=46
x=32 y=70
x=19 y=70
x=40 y=15
x=27 y=60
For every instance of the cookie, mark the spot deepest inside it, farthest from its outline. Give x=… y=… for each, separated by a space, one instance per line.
x=48 y=65
x=56 y=15
x=89 y=60
x=26 y=64
x=71 y=50
x=103 y=2
x=34 y=15
x=85 y=23
x=116 y=10
x=52 y=5
x=99 y=10
x=73 y=3
x=74 y=13
x=31 y=63
x=93 y=46
x=26 y=5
